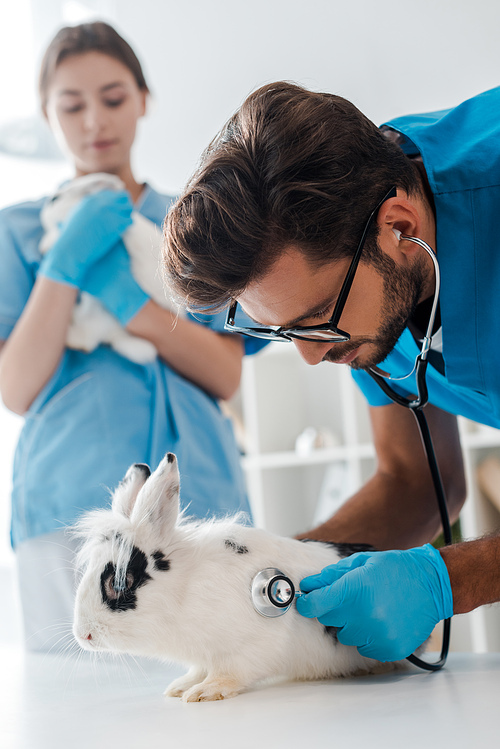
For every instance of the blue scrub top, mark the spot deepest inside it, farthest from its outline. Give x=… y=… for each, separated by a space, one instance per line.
x=460 y=149
x=101 y=412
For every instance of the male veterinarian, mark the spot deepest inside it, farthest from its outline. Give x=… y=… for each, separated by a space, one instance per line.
x=283 y=197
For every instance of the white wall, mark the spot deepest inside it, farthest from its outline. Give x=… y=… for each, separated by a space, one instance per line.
x=389 y=57
x=202 y=57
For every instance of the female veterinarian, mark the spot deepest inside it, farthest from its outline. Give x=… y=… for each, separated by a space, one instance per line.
x=89 y=415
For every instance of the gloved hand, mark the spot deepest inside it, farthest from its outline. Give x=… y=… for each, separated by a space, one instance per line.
x=111 y=281
x=386 y=603
x=89 y=232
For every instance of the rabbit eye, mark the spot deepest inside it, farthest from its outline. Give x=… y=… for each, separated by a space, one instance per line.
x=114 y=589
x=119 y=592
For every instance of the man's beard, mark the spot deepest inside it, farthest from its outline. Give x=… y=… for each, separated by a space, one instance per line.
x=402 y=288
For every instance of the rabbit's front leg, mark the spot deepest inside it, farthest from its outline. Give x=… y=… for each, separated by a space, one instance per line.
x=194 y=676
x=214 y=687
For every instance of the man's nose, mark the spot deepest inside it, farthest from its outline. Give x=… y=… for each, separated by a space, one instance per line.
x=312 y=352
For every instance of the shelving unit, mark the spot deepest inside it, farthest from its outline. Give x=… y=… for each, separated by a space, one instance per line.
x=291 y=491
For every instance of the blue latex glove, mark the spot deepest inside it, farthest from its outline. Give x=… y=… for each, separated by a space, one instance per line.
x=386 y=603
x=89 y=232
x=111 y=281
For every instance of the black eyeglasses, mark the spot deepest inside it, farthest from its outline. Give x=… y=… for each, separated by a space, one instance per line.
x=327 y=331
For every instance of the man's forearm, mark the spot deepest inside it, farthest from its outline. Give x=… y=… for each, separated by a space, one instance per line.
x=474 y=570
x=386 y=513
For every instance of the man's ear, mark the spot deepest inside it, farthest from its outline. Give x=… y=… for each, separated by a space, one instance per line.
x=397 y=216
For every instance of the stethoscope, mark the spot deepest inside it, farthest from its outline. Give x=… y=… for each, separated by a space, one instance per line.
x=273 y=593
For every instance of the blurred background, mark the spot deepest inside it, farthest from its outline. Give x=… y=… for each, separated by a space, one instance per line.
x=203 y=57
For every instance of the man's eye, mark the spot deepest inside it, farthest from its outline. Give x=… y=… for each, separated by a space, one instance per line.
x=321 y=314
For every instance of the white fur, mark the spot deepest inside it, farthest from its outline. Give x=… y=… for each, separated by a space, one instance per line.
x=200 y=612
x=92 y=324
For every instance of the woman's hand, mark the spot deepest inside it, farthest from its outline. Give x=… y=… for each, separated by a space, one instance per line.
x=111 y=281
x=89 y=232
x=209 y=359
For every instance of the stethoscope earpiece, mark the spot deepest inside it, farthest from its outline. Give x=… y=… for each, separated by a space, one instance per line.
x=272 y=592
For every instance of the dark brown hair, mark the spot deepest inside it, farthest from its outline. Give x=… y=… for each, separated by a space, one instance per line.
x=87 y=37
x=291 y=168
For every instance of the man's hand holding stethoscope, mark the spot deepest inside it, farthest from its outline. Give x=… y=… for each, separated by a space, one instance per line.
x=386 y=603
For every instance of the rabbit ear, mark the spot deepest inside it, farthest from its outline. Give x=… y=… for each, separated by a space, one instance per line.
x=158 y=501
x=126 y=493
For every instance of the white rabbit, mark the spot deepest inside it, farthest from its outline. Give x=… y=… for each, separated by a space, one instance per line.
x=174 y=589
x=92 y=324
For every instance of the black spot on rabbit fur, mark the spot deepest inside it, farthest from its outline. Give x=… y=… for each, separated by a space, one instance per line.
x=144 y=468
x=124 y=598
x=235 y=547
x=332 y=632
x=342 y=549
x=161 y=563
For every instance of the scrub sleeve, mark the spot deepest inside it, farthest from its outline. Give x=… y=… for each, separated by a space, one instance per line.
x=460 y=150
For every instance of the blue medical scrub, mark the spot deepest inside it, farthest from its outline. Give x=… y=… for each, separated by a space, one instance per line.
x=101 y=412
x=460 y=150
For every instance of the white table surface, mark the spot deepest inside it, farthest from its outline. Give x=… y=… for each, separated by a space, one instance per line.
x=47 y=702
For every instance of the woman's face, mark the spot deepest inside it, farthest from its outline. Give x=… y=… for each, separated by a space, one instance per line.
x=93 y=106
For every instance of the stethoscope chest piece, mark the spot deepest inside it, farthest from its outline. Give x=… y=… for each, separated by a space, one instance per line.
x=272 y=592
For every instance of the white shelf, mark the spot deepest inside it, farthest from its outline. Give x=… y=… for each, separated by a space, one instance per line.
x=476 y=440
x=280 y=397
x=319 y=456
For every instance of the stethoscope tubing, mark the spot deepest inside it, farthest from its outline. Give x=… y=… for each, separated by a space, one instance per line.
x=416 y=405
x=425 y=434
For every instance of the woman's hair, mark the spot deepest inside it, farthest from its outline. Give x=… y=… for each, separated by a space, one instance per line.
x=292 y=167
x=87 y=37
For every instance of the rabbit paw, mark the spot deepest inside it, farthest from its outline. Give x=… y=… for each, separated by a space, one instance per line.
x=212 y=689
x=177 y=688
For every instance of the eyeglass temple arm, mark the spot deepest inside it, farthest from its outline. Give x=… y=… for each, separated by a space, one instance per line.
x=231 y=312
x=346 y=286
